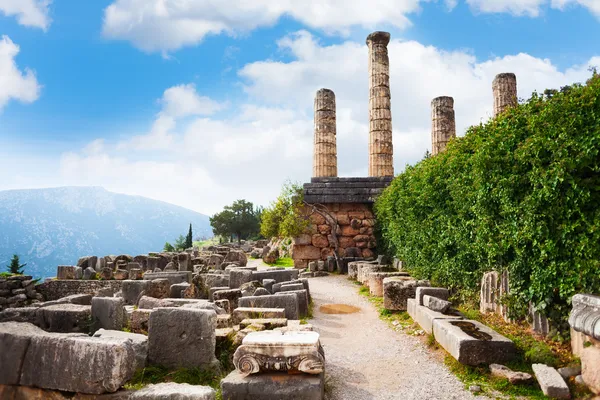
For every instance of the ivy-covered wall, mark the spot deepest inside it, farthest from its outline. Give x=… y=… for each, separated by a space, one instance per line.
x=520 y=193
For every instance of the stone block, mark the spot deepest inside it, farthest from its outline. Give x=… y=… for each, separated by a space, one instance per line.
x=273 y=386
x=182 y=338
x=397 y=290
x=440 y=293
x=472 y=343
x=552 y=384
x=435 y=304
x=138 y=320
x=425 y=317
x=174 y=391
x=89 y=273
x=279 y=275
x=287 y=301
x=238 y=276
x=302 y=301
x=590 y=363
x=233 y=295
x=212 y=291
x=224 y=304
x=268 y=323
x=271 y=351
x=291 y=286
x=494 y=285
x=376 y=281
x=268 y=284
x=173 y=276
x=307 y=253
x=236 y=256
x=135 y=273
x=158 y=288
x=64 y=318
x=132 y=291
x=140 y=344
x=177 y=289
x=66 y=272
x=514 y=377
x=108 y=313
x=242 y=313
x=79 y=363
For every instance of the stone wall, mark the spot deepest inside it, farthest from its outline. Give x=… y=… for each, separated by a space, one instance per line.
x=56 y=289
x=353 y=233
x=17 y=291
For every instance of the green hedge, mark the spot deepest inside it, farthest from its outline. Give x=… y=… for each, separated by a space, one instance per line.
x=520 y=193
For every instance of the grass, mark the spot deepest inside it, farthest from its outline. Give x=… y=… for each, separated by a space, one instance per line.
x=208 y=242
x=283 y=262
x=153 y=374
x=304 y=321
x=5 y=274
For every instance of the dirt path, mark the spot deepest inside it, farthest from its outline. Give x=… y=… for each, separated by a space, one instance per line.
x=367 y=360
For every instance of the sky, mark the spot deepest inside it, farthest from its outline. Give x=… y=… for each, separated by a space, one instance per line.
x=202 y=102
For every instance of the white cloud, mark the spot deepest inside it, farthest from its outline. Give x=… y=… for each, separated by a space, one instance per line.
x=592 y=5
x=14 y=84
x=529 y=8
x=183 y=100
x=167 y=25
x=33 y=13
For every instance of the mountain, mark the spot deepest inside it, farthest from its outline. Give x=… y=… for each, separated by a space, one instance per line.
x=50 y=227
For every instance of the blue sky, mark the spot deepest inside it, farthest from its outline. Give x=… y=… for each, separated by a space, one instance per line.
x=201 y=102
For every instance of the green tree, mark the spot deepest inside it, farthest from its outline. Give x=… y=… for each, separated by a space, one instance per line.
x=239 y=220
x=180 y=243
x=14 y=267
x=286 y=216
x=168 y=247
x=188 y=240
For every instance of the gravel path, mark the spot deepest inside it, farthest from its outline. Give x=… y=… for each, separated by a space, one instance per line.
x=367 y=360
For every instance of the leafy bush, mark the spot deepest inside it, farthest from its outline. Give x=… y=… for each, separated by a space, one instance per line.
x=520 y=193
x=285 y=217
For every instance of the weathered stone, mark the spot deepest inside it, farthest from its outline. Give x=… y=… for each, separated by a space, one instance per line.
x=182 y=338
x=135 y=273
x=191 y=292
x=590 y=371
x=514 y=377
x=106 y=273
x=64 y=318
x=273 y=386
x=375 y=280
x=569 y=372
x=425 y=317
x=268 y=284
x=121 y=274
x=177 y=288
x=184 y=261
x=277 y=351
x=173 y=276
x=224 y=321
x=435 y=304
x=494 y=285
x=132 y=291
x=238 y=277
x=585 y=315
x=279 y=275
x=552 y=384
x=291 y=286
x=249 y=288
x=233 y=295
x=224 y=304
x=237 y=257
x=89 y=273
x=288 y=301
x=138 y=320
x=242 y=313
x=472 y=343
x=397 y=291
x=174 y=391
x=261 y=292
x=20 y=314
x=268 y=323
x=215 y=261
x=306 y=275
x=108 y=313
x=307 y=253
x=158 y=288
x=440 y=293
x=140 y=343
x=66 y=272
x=504 y=88
x=79 y=363
x=212 y=291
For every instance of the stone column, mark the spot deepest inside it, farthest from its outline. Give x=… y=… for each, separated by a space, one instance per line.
x=505 y=92
x=325 y=152
x=443 y=125
x=381 y=152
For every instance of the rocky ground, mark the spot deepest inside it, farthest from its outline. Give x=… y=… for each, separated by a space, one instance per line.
x=366 y=359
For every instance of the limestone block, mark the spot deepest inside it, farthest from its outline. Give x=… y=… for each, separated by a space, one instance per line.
x=121 y=274
x=158 y=288
x=138 y=320
x=288 y=301
x=440 y=293
x=224 y=304
x=177 y=288
x=233 y=295
x=376 y=281
x=106 y=274
x=513 y=377
x=108 y=313
x=494 y=285
x=552 y=384
x=279 y=275
x=272 y=386
x=238 y=277
x=249 y=288
x=89 y=273
x=236 y=256
x=268 y=284
x=79 y=363
x=306 y=253
x=224 y=321
x=302 y=300
x=590 y=371
x=64 y=318
x=585 y=315
x=182 y=337
x=65 y=272
x=135 y=273
x=435 y=304
x=173 y=276
x=184 y=261
x=174 y=391
x=215 y=261
x=132 y=290
x=278 y=351
x=397 y=290
x=19 y=314
x=242 y=313
x=291 y=286
x=212 y=291
x=268 y=323
x=140 y=343
x=425 y=317
x=471 y=342
x=261 y=292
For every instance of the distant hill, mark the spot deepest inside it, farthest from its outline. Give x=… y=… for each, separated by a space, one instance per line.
x=50 y=227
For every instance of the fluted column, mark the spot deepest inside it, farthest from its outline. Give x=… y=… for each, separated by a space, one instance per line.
x=443 y=124
x=505 y=92
x=325 y=151
x=381 y=151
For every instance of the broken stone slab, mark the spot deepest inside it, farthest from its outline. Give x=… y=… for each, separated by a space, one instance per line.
x=302 y=301
x=121 y=274
x=177 y=289
x=249 y=288
x=268 y=284
x=158 y=288
x=19 y=314
x=291 y=287
x=239 y=276
x=138 y=320
x=233 y=295
x=242 y=313
x=89 y=273
x=108 y=313
x=66 y=272
x=132 y=290
x=212 y=291
x=79 y=363
x=135 y=273
x=590 y=371
x=569 y=372
x=435 y=304
x=174 y=391
x=425 y=317
x=224 y=304
x=140 y=344
x=277 y=351
x=182 y=338
x=288 y=301
x=224 y=321
x=303 y=281
x=398 y=289
x=64 y=318
x=306 y=275
x=279 y=275
x=440 y=293
x=376 y=281
x=81 y=299
x=514 y=377
x=471 y=342
x=173 y=276
x=273 y=386
x=268 y=323
x=552 y=384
